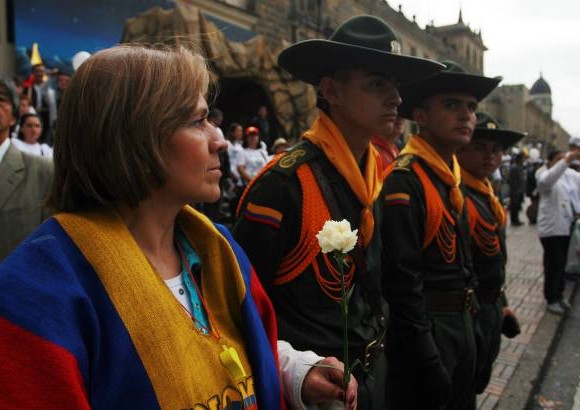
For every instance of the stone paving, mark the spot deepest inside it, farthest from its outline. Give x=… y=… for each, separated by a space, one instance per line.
x=524 y=282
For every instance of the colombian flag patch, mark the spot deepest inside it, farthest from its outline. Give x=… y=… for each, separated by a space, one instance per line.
x=263 y=214
x=397 y=199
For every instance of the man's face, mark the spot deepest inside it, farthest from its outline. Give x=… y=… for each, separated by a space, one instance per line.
x=62 y=82
x=447 y=119
x=365 y=103
x=481 y=157
x=38 y=73
x=7 y=120
x=23 y=106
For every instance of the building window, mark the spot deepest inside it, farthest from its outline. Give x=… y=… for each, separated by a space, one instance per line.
x=307 y=13
x=413 y=51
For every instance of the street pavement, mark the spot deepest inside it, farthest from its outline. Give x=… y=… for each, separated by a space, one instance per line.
x=558 y=384
x=521 y=362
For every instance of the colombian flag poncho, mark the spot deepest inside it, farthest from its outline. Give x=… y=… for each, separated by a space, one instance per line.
x=85 y=322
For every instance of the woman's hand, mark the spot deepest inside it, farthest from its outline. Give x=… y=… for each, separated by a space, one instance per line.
x=324 y=384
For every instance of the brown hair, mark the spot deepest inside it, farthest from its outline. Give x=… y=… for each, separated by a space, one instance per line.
x=120 y=108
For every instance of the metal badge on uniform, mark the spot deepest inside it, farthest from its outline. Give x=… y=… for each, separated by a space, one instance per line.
x=290 y=159
x=395 y=47
x=404 y=161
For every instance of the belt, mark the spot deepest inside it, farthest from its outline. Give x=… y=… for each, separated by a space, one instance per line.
x=488 y=296
x=449 y=301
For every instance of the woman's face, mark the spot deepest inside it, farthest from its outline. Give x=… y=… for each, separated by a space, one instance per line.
x=31 y=130
x=192 y=161
x=253 y=140
x=238 y=133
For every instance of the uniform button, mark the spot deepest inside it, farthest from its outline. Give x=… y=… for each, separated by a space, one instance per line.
x=181 y=291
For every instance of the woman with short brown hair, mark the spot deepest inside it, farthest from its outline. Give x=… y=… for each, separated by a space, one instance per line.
x=129 y=298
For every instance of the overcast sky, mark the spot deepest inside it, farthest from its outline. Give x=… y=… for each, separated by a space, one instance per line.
x=524 y=38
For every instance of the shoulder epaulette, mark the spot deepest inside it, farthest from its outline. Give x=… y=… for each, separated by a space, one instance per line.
x=299 y=154
x=404 y=162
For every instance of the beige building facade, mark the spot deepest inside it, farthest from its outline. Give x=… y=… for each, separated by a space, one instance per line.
x=242 y=39
x=229 y=31
x=529 y=111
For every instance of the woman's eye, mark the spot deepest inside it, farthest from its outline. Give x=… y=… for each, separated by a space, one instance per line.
x=198 y=123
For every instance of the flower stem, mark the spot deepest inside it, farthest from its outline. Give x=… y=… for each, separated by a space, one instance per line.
x=344 y=310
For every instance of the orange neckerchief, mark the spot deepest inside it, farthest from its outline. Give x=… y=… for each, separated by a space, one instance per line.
x=325 y=134
x=451 y=177
x=485 y=187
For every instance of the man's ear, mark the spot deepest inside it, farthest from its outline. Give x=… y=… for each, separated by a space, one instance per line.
x=420 y=116
x=328 y=89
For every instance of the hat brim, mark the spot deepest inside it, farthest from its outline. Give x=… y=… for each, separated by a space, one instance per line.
x=506 y=138
x=310 y=60
x=444 y=82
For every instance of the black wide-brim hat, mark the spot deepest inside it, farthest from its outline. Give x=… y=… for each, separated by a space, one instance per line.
x=488 y=128
x=453 y=79
x=362 y=42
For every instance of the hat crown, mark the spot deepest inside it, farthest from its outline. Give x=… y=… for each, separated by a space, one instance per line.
x=251 y=130
x=365 y=31
x=575 y=141
x=486 y=121
x=453 y=67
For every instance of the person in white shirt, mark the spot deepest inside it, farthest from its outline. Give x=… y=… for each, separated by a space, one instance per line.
x=24 y=107
x=43 y=99
x=559 y=190
x=235 y=139
x=255 y=155
x=29 y=134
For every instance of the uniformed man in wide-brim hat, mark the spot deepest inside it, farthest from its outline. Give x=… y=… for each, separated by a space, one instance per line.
x=334 y=173
x=487 y=219
x=428 y=274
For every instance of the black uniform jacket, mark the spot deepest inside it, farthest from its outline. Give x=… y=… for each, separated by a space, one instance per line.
x=489 y=269
x=307 y=317
x=410 y=270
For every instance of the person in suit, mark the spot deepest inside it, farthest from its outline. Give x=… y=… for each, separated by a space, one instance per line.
x=24 y=181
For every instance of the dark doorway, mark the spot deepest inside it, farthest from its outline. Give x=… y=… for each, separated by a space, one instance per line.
x=239 y=99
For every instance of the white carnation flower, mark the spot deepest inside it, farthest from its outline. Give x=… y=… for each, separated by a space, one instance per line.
x=337 y=236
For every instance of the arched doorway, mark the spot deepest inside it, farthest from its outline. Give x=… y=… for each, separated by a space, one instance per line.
x=239 y=99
